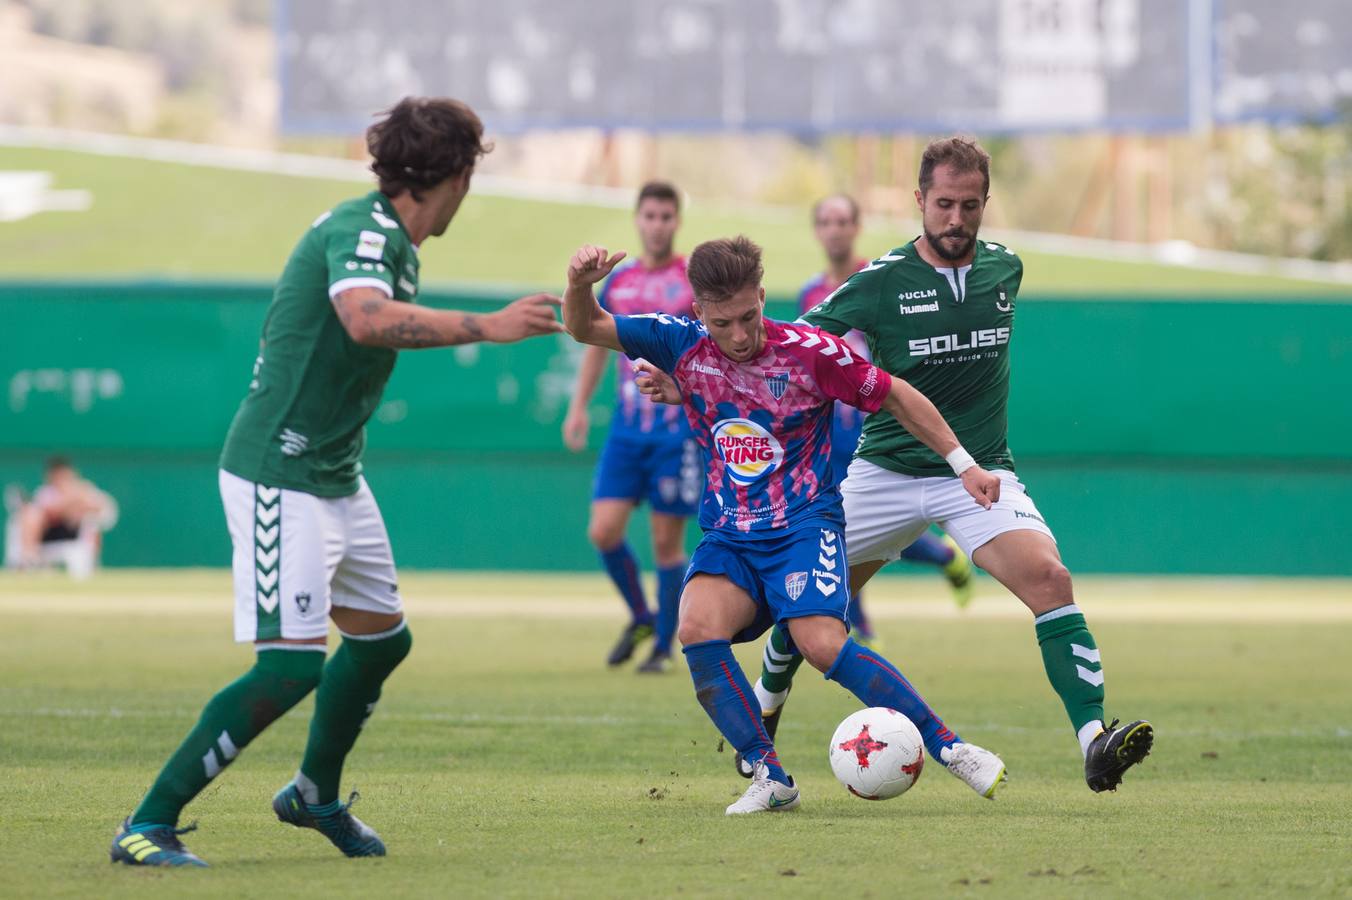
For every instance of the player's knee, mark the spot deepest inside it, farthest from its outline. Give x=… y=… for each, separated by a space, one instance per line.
x=819 y=643
x=603 y=537
x=1055 y=580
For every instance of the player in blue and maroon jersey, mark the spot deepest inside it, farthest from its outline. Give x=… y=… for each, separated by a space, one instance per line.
x=648 y=454
x=758 y=395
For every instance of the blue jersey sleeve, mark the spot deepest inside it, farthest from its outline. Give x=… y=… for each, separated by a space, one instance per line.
x=657 y=337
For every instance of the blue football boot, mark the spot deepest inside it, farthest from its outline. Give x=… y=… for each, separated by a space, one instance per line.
x=152 y=845
x=335 y=821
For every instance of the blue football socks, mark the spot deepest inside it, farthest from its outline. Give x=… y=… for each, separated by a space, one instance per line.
x=623 y=570
x=669 y=580
x=928 y=548
x=877 y=682
x=725 y=694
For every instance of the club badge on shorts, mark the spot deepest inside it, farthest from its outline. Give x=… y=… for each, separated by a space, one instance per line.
x=794 y=582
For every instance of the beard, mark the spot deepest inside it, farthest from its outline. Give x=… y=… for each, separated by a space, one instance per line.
x=937 y=245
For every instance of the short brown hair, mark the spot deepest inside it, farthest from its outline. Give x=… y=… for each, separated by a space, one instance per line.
x=962 y=154
x=659 y=190
x=849 y=201
x=421 y=141
x=718 y=269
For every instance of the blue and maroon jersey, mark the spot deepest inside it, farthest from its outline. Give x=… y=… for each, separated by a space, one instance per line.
x=814 y=292
x=765 y=425
x=634 y=290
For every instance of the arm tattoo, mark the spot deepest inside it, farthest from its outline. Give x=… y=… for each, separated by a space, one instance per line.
x=472 y=328
x=408 y=333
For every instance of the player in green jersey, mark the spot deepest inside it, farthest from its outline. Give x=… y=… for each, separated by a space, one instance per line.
x=309 y=542
x=939 y=313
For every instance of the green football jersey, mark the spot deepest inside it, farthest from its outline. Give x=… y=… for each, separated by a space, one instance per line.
x=303 y=423
x=947 y=333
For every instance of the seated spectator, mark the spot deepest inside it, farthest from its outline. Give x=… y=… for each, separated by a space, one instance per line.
x=62 y=524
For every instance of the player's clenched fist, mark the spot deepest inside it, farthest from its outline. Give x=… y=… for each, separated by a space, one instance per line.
x=590 y=264
x=983 y=485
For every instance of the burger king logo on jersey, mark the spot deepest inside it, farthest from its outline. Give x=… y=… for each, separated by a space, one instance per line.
x=748 y=450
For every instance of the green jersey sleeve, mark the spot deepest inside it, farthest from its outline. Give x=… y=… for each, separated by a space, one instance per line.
x=358 y=256
x=853 y=305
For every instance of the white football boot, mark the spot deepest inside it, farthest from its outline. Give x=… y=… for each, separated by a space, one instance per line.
x=765 y=795
x=981 y=769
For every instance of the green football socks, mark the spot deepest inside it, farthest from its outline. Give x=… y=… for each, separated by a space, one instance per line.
x=778 y=665
x=239 y=713
x=347 y=696
x=1071 y=659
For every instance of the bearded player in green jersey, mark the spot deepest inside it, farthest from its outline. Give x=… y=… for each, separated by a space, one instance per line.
x=939 y=312
x=309 y=541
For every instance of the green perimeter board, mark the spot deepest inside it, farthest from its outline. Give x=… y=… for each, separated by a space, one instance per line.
x=1155 y=436
x=162 y=367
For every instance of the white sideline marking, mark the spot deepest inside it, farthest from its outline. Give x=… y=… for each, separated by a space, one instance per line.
x=1339 y=732
x=294 y=165
x=489 y=606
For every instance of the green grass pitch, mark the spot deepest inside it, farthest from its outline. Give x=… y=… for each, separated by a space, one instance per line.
x=504 y=760
x=156 y=219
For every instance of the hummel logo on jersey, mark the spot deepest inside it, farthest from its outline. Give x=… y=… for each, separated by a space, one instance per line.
x=706 y=370
x=951 y=343
x=293 y=442
x=919 y=307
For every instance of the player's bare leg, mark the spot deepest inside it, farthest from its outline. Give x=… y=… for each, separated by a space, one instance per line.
x=668 y=533
x=876 y=682
x=1027 y=562
x=606 y=530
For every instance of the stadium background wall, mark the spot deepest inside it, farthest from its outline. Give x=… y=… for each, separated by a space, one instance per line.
x=1157 y=436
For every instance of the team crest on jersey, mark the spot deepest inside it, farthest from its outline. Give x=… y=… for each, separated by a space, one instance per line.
x=1003 y=304
x=777 y=382
x=748 y=450
x=794 y=582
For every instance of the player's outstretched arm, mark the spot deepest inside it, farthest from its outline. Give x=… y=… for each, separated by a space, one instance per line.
x=583 y=317
x=373 y=319
x=921 y=418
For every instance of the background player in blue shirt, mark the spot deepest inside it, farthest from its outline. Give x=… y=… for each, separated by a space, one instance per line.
x=759 y=395
x=648 y=454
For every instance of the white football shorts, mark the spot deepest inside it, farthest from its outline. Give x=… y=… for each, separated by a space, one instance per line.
x=296 y=555
x=885 y=511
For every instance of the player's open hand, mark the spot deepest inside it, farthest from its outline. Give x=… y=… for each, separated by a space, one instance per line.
x=527 y=317
x=591 y=264
x=984 y=486
x=654 y=383
x=575 y=427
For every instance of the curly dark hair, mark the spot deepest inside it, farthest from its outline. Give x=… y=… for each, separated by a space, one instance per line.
x=421 y=141
x=718 y=269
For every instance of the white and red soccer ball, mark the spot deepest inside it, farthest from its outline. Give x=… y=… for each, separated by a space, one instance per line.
x=877 y=753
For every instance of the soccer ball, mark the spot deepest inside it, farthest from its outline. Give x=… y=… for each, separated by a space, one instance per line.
x=877 y=753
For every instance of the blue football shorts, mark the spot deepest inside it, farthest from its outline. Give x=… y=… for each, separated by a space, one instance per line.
x=800 y=573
